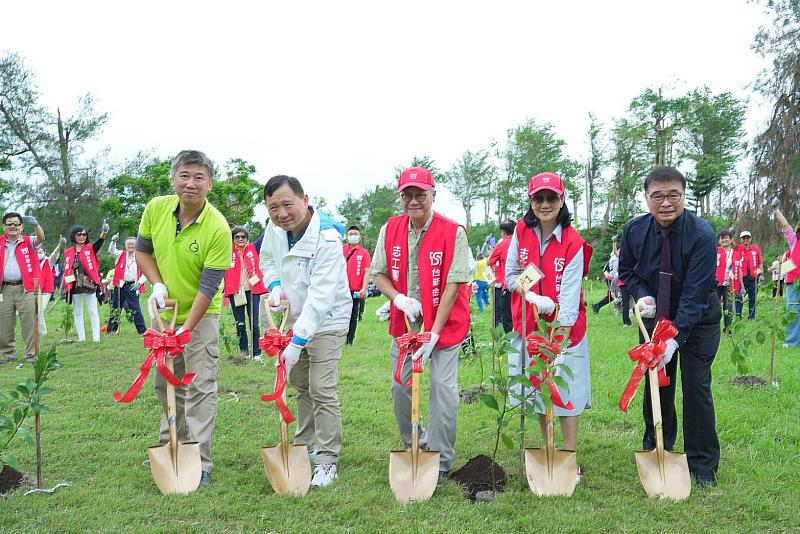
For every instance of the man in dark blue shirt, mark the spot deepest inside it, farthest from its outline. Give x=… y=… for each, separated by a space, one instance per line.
x=681 y=276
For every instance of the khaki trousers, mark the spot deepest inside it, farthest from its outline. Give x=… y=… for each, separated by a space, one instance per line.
x=16 y=301
x=442 y=404
x=196 y=404
x=316 y=379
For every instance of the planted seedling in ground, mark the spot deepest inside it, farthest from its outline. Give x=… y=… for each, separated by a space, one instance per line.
x=22 y=401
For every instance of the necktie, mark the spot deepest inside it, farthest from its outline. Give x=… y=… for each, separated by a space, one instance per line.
x=664 y=276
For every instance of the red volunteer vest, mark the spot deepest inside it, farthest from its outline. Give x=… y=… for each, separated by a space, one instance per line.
x=556 y=257
x=750 y=259
x=497 y=259
x=358 y=261
x=26 y=259
x=791 y=276
x=47 y=277
x=722 y=264
x=119 y=271
x=87 y=259
x=233 y=276
x=435 y=255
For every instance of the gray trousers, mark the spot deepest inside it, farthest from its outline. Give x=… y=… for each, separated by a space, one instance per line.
x=316 y=379
x=442 y=404
x=196 y=404
x=16 y=301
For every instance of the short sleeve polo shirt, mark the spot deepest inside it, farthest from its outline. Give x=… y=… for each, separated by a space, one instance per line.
x=181 y=258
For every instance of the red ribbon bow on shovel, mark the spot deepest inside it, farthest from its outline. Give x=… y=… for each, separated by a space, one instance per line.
x=162 y=345
x=648 y=356
x=536 y=346
x=407 y=344
x=274 y=343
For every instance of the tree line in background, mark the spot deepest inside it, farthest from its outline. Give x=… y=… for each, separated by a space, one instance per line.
x=45 y=164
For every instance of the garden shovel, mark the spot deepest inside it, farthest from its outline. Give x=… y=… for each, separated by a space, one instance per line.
x=664 y=474
x=176 y=467
x=413 y=473
x=287 y=466
x=550 y=471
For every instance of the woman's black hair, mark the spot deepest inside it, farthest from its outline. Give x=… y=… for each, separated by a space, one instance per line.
x=74 y=230
x=564 y=217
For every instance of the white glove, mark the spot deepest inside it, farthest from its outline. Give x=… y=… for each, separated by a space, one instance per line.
x=31 y=220
x=159 y=295
x=411 y=307
x=672 y=346
x=180 y=330
x=62 y=241
x=115 y=237
x=290 y=356
x=425 y=350
x=545 y=305
x=775 y=204
x=105 y=227
x=558 y=361
x=474 y=288
x=276 y=295
x=647 y=307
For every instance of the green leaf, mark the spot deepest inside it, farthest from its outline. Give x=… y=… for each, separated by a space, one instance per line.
x=564 y=368
x=25 y=435
x=760 y=337
x=19 y=415
x=6 y=458
x=45 y=391
x=489 y=400
x=560 y=382
x=507 y=441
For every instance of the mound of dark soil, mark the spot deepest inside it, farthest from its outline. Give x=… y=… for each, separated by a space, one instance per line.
x=748 y=381
x=10 y=478
x=476 y=475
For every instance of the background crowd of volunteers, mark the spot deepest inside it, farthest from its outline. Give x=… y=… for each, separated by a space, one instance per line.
x=667 y=265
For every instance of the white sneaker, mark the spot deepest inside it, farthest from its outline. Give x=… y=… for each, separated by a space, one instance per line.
x=323 y=475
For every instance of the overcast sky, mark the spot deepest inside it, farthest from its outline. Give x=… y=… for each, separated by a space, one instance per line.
x=339 y=93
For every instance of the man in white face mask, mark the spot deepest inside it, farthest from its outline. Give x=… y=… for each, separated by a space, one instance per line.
x=358 y=261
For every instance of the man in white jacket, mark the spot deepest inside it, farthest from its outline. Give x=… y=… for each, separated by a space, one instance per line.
x=302 y=262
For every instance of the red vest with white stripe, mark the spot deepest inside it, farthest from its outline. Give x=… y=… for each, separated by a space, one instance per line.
x=47 y=277
x=119 y=271
x=556 y=257
x=358 y=261
x=434 y=258
x=233 y=276
x=722 y=264
x=88 y=261
x=26 y=259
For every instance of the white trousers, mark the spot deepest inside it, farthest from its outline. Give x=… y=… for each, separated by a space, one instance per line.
x=42 y=306
x=94 y=317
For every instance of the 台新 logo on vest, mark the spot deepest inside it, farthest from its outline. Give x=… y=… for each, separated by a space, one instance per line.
x=436 y=258
x=558 y=264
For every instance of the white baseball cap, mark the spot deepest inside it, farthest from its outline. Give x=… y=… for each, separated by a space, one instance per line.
x=745 y=233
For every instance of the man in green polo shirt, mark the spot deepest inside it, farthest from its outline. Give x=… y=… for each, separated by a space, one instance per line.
x=184 y=248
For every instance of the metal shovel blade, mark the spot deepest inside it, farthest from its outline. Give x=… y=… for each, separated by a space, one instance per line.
x=673 y=482
x=409 y=484
x=289 y=473
x=553 y=474
x=183 y=476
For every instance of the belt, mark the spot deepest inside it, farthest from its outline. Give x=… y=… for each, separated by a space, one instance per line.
x=17 y=283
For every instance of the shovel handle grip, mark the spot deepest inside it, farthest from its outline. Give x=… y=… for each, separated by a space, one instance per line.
x=169 y=303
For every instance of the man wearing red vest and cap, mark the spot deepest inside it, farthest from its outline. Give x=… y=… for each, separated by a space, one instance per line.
x=358 y=261
x=128 y=284
x=19 y=275
x=751 y=265
x=421 y=263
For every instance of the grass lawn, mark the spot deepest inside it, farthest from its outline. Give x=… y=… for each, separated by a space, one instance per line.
x=99 y=448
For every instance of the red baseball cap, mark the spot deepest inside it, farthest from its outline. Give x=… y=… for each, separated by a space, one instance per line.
x=416 y=177
x=546 y=180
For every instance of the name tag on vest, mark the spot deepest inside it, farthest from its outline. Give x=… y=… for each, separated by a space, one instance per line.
x=529 y=277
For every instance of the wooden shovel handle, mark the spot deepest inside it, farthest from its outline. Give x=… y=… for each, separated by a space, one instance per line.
x=169 y=303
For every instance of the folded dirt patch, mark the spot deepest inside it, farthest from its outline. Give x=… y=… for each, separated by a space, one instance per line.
x=748 y=381
x=10 y=478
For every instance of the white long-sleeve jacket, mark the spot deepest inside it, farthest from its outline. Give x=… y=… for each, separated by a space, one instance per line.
x=313 y=276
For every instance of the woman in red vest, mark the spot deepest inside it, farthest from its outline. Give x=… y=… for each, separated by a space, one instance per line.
x=47 y=277
x=243 y=287
x=545 y=237
x=725 y=276
x=792 y=295
x=82 y=278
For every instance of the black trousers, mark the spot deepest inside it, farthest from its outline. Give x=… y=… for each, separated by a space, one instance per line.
x=502 y=309
x=726 y=299
x=251 y=310
x=358 y=310
x=699 y=421
x=749 y=284
x=125 y=298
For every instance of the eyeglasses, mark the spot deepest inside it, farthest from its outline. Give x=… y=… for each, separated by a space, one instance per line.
x=13 y=225
x=541 y=199
x=672 y=197
x=419 y=197
x=240 y=237
x=81 y=234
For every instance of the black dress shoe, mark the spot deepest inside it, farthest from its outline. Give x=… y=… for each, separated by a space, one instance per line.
x=706 y=479
x=205 y=478
x=443 y=476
